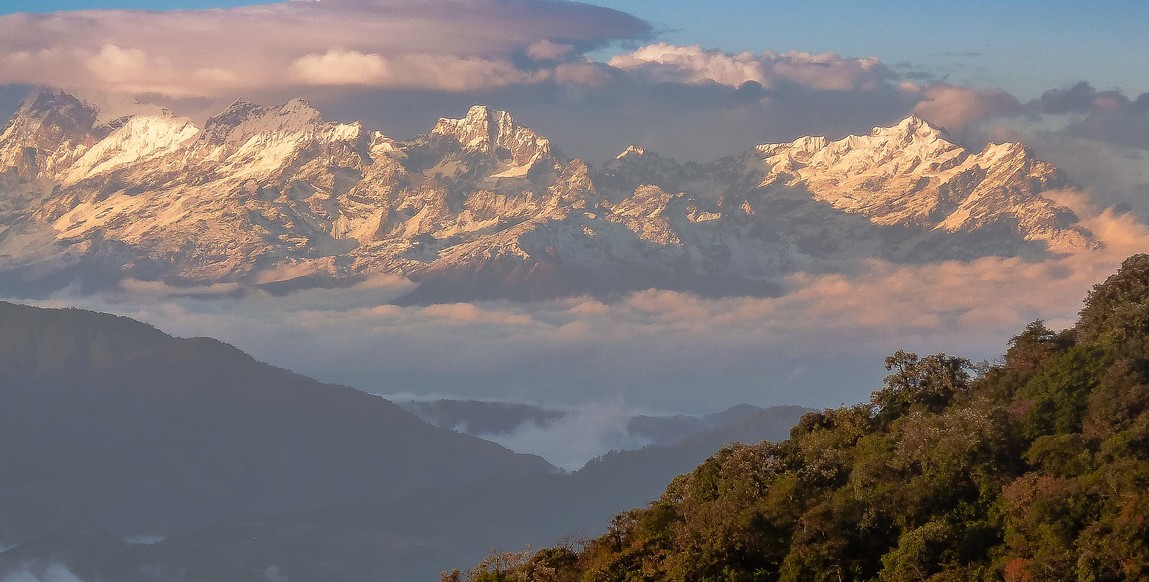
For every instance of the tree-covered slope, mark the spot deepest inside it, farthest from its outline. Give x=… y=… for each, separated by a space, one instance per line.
x=1035 y=467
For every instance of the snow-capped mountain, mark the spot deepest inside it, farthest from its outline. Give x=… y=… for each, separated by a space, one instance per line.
x=482 y=207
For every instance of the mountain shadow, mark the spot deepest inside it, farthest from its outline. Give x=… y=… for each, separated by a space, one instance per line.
x=111 y=424
x=409 y=538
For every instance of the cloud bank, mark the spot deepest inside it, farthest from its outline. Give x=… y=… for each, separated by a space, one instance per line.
x=819 y=344
x=458 y=45
x=667 y=63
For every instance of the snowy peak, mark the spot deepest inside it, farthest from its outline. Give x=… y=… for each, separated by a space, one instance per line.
x=250 y=141
x=479 y=130
x=911 y=139
x=1011 y=153
x=56 y=107
x=911 y=175
x=49 y=130
x=137 y=140
x=494 y=132
x=232 y=117
x=631 y=152
x=244 y=119
x=911 y=129
x=636 y=166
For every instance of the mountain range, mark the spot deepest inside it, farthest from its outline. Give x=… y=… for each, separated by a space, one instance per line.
x=482 y=207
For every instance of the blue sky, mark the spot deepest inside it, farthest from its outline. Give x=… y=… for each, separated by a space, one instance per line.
x=1026 y=46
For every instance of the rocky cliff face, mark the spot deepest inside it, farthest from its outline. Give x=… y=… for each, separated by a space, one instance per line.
x=482 y=207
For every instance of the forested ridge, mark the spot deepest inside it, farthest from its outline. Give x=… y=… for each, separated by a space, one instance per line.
x=1034 y=467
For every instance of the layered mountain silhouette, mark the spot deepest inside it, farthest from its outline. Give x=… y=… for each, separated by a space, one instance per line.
x=111 y=423
x=131 y=455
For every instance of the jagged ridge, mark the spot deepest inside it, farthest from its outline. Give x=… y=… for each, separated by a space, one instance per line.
x=483 y=207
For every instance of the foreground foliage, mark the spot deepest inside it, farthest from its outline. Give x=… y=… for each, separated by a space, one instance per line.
x=1034 y=468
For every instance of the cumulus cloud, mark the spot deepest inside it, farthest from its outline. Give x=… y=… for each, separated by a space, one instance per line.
x=1077 y=98
x=337 y=67
x=378 y=43
x=662 y=62
x=1119 y=127
x=595 y=110
x=398 y=63
x=1107 y=116
x=442 y=72
x=959 y=108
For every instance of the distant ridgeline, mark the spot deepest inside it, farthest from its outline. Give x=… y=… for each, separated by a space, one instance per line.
x=1032 y=468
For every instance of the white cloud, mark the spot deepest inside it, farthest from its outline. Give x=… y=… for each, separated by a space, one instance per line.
x=665 y=63
x=958 y=107
x=337 y=67
x=122 y=66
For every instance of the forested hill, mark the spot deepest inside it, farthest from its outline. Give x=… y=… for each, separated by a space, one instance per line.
x=1032 y=468
x=109 y=424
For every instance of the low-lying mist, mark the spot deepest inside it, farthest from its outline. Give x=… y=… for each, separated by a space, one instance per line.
x=570 y=441
x=42 y=573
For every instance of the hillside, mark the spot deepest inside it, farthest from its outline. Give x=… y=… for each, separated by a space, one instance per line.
x=108 y=423
x=1033 y=468
x=113 y=432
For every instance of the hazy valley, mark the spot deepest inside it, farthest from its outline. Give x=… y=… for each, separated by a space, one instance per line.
x=114 y=431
